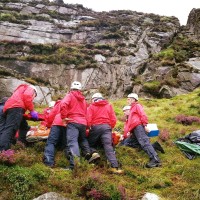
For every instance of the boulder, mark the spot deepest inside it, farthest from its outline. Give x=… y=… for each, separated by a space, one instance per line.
x=51 y=196
x=8 y=85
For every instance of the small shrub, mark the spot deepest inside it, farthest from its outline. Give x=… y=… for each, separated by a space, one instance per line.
x=96 y=195
x=164 y=135
x=7 y=157
x=22 y=181
x=187 y=120
x=19 y=146
x=40 y=173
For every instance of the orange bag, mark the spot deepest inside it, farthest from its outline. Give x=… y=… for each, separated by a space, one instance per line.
x=115 y=138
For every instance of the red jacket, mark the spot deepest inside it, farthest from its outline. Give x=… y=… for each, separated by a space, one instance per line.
x=74 y=107
x=101 y=112
x=137 y=116
x=46 y=113
x=51 y=116
x=125 y=129
x=22 y=97
x=58 y=121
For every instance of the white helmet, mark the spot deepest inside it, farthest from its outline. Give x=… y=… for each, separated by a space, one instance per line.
x=51 y=104
x=33 y=87
x=97 y=95
x=133 y=95
x=76 y=85
x=126 y=108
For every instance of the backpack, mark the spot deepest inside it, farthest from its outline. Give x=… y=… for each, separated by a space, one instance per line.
x=194 y=137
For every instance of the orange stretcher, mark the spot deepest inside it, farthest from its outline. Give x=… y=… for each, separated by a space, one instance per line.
x=37 y=133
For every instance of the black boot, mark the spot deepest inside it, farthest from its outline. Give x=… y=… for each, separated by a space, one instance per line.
x=158 y=147
x=154 y=162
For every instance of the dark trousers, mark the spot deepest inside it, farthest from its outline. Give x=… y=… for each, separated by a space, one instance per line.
x=139 y=138
x=103 y=134
x=23 y=129
x=56 y=137
x=130 y=142
x=76 y=135
x=2 y=122
x=13 y=120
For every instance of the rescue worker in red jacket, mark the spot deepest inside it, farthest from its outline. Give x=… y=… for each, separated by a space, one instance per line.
x=14 y=108
x=137 y=121
x=127 y=140
x=101 y=119
x=73 y=112
x=46 y=114
x=56 y=137
x=126 y=135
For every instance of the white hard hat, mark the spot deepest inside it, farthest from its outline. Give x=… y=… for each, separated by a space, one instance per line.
x=126 y=108
x=51 y=104
x=76 y=85
x=97 y=95
x=33 y=87
x=133 y=95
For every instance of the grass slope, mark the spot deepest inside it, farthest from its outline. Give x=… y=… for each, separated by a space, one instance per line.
x=177 y=179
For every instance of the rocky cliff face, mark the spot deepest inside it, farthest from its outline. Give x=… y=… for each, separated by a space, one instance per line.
x=114 y=52
x=193 y=23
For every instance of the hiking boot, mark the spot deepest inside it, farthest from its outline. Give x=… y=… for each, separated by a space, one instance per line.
x=94 y=157
x=158 y=147
x=153 y=163
x=116 y=170
x=87 y=156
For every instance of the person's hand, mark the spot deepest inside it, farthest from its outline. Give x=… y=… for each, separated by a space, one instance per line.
x=34 y=115
x=128 y=134
x=121 y=138
x=64 y=121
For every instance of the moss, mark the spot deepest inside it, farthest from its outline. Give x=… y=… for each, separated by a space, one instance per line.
x=167 y=62
x=152 y=87
x=5 y=73
x=123 y=52
x=112 y=36
x=167 y=54
x=31 y=81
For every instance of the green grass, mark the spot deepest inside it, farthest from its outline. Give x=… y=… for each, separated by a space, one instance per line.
x=177 y=179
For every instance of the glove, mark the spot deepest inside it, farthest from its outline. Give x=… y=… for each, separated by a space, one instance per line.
x=34 y=115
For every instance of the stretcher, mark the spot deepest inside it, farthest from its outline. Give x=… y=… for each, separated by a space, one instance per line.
x=37 y=133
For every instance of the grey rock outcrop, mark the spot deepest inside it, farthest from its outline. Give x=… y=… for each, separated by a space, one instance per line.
x=116 y=49
x=8 y=85
x=193 y=23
